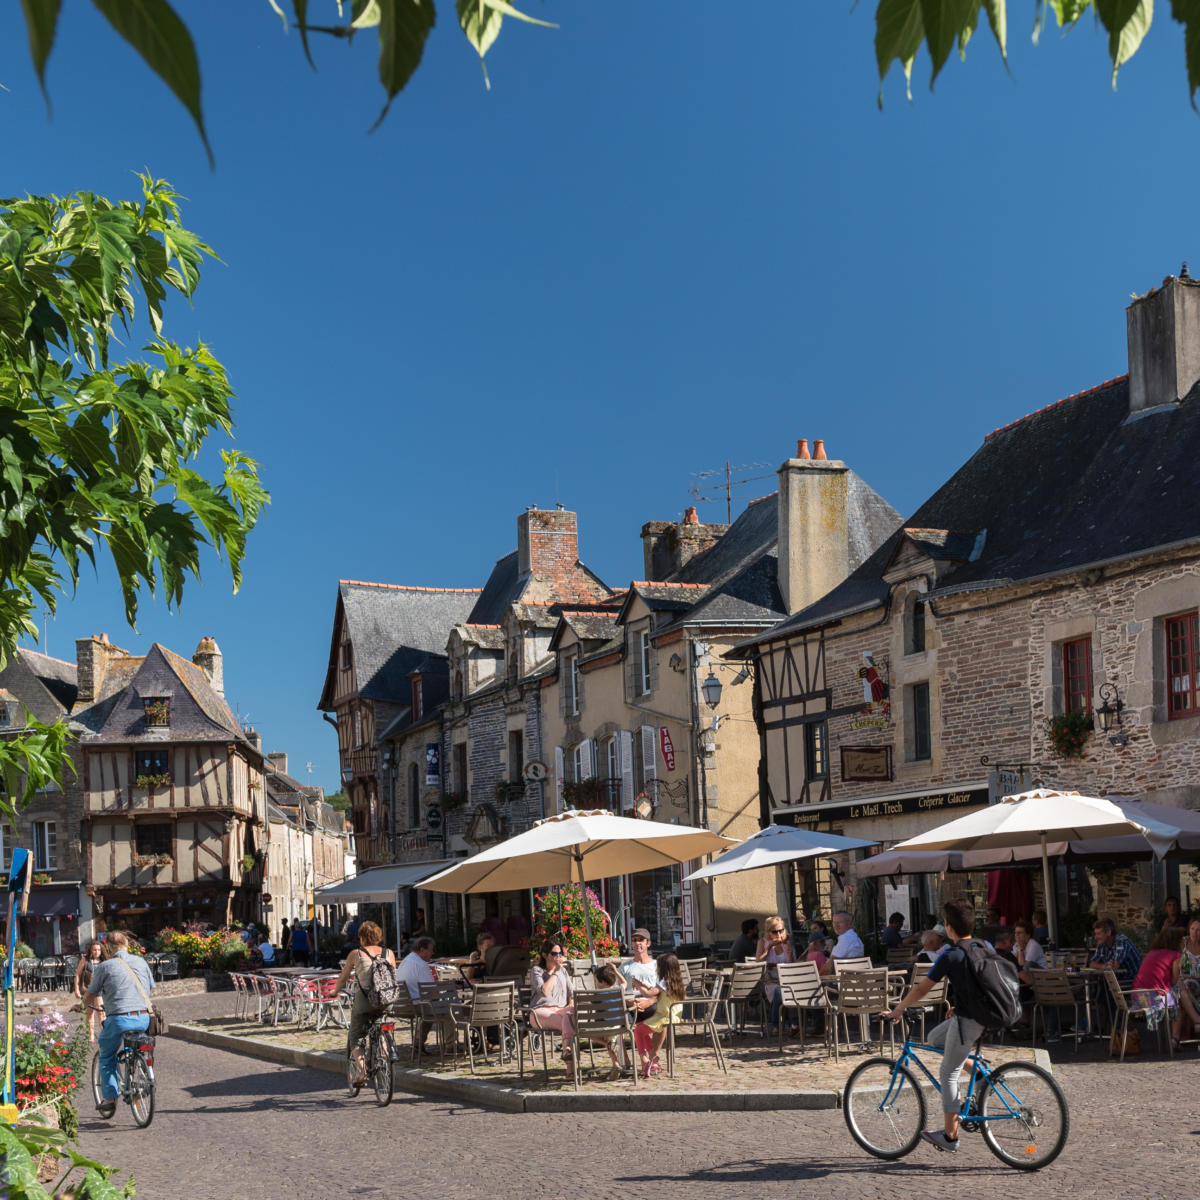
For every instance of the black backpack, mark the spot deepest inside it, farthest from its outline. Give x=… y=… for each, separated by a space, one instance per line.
x=993 y=991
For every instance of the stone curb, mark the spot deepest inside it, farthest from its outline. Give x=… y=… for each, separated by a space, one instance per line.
x=507 y=1099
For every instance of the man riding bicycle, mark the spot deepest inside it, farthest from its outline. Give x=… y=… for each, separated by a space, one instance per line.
x=124 y=983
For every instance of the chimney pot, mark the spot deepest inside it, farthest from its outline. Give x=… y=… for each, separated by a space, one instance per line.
x=690 y=517
x=802 y=448
x=819 y=448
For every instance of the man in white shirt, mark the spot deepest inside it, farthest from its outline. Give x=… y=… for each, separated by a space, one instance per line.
x=848 y=945
x=414 y=970
x=644 y=970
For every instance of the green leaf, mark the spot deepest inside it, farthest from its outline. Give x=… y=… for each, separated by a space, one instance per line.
x=507 y=10
x=300 y=8
x=944 y=22
x=998 y=20
x=1127 y=22
x=898 y=36
x=368 y=17
x=41 y=17
x=97 y=1187
x=480 y=23
x=403 y=27
x=1187 y=13
x=155 y=31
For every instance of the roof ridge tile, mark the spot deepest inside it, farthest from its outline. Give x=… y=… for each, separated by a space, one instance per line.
x=1037 y=412
x=410 y=587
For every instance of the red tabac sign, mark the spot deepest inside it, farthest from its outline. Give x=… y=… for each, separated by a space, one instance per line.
x=668 y=751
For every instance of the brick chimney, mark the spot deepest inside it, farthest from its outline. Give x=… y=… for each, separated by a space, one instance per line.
x=547 y=542
x=91 y=665
x=813 y=539
x=278 y=759
x=211 y=661
x=1163 y=333
x=667 y=545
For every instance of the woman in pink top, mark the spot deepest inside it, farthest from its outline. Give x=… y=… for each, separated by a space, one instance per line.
x=816 y=951
x=1156 y=984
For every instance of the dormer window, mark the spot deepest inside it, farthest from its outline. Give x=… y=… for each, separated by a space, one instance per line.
x=418 y=700
x=157 y=710
x=347 y=656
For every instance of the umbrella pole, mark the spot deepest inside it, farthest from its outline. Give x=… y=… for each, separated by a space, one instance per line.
x=1051 y=907
x=587 y=916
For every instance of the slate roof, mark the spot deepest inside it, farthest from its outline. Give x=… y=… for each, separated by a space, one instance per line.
x=504 y=587
x=1076 y=484
x=593 y=629
x=59 y=678
x=392 y=629
x=197 y=712
x=487 y=637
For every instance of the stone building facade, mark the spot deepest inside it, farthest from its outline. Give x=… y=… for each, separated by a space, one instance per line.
x=1052 y=582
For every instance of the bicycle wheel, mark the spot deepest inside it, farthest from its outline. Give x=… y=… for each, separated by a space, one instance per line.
x=94 y=1077
x=1026 y=1118
x=381 y=1069
x=141 y=1091
x=884 y=1108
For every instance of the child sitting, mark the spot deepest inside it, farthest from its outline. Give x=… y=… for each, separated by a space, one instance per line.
x=651 y=1033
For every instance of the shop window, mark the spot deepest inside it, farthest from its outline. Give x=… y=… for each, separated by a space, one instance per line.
x=1077 y=675
x=1183 y=660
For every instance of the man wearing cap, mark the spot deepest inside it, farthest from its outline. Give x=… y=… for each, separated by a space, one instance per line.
x=644 y=969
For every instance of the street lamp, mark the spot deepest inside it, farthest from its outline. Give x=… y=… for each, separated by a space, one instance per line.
x=1109 y=712
x=711 y=688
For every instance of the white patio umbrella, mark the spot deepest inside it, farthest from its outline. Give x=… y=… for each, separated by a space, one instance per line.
x=1038 y=818
x=774 y=845
x=575 y=846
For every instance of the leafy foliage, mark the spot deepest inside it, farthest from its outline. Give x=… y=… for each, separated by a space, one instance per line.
x=20 y=1147
x=1069 y=732
x=902 y=27
x=158 y=34
x=559 y=913
x=95 y=452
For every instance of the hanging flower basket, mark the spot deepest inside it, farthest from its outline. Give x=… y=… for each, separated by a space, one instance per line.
x=1069 y=732
x=152 y=781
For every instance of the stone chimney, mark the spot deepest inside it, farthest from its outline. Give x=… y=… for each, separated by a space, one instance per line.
x=209 y=659
x=278 y=759
x=814 y=554
x=547 y=542
x=253 y=737
x=91 y=665
x=667 y=545
x=1163 y=332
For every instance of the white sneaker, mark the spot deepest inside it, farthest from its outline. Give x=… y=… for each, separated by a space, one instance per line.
x=935 y=1137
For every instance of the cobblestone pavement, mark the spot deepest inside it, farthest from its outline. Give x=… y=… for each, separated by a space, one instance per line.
x=232 y=1126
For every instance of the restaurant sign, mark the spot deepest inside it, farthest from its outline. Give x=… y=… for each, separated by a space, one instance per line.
x=885 y=807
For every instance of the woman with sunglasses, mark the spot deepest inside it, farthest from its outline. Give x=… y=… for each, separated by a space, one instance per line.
x=552 y=1000
x=775 y=947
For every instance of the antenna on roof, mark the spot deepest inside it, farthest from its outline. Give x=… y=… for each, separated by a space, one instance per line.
x=713 y=490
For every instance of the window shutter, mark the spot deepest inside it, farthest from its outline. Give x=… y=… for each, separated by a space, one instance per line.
x=625 y=754
x=586 y=760
x=652 y=655
x=649 y=751
x=630 y=661
x=558 y=779
x=564 y=685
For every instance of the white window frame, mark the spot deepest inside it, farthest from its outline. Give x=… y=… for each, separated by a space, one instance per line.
x=45 y=845
x=8 y=839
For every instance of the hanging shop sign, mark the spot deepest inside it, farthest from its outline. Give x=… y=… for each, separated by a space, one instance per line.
x=668 y=750
x=433 y=764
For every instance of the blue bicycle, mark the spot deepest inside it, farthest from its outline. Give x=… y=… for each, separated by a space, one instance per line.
x=1018 y=1107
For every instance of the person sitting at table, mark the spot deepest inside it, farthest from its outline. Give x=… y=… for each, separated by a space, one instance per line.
x=1002 y=943
x=1156 y=985
x=416 y=968
x=266 y=951
x=933 y=944
x=1189 y=977
x=775 y=948
x=608 y=978
x=360 y=963
x=1173 y=916
x=476 y=971
x=816 y=950
x=551 y=1003
x=848 y=944
x=1041 y=926
x=893 y=937
x=1114 y=950
x=651 y=1033
x=745 y=943
x=642 y=969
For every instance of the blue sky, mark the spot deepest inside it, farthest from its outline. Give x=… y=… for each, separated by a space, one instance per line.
x=667 y=237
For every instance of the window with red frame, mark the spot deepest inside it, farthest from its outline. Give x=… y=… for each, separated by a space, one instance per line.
x=1077 y=675
x=1183 y=659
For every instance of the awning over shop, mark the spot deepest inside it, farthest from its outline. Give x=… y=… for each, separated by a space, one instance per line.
x=378 y=885
x=54 y=900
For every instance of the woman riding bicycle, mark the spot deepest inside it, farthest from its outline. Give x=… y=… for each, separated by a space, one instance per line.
x=358 y=964
x=124 y=983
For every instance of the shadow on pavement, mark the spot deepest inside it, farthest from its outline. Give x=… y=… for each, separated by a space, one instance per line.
x=772 y=1171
